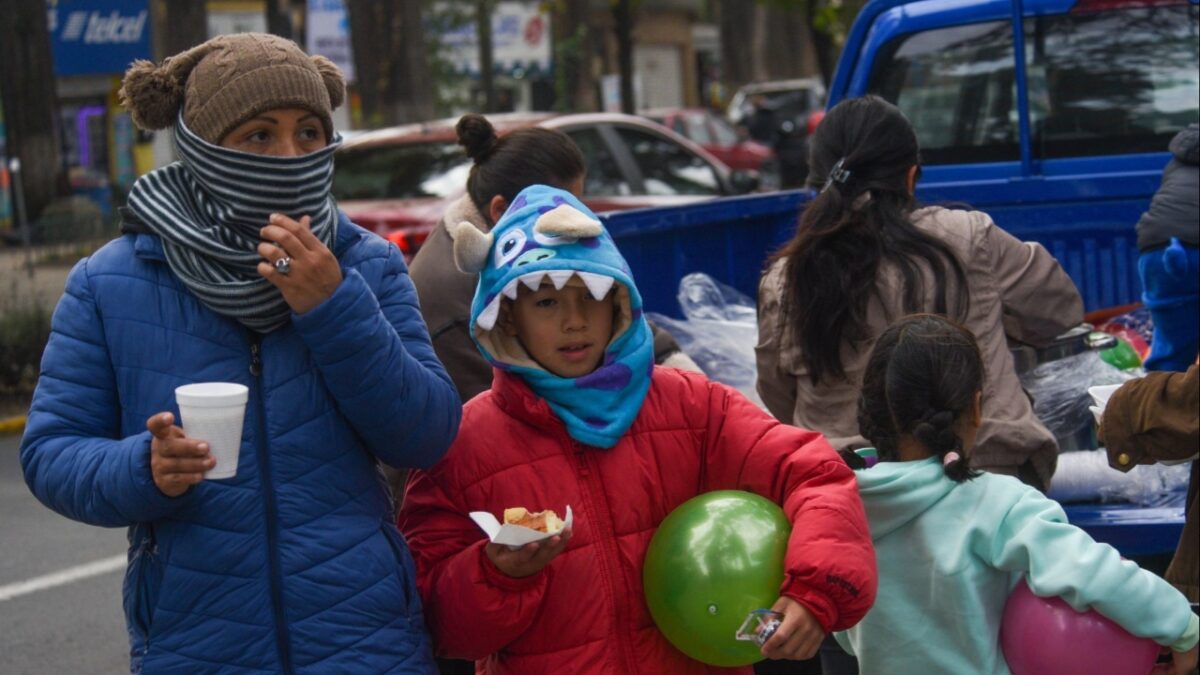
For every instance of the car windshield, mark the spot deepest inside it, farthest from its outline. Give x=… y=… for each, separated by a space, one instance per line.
x=408 y=171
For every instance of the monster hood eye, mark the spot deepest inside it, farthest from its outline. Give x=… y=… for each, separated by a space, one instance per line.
x=552 y=239
x=509 y=247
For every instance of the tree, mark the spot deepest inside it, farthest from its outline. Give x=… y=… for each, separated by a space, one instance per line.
x=182 y=24
x=279 y=18
x=737 y=22
x=483 y=32
x=623 y=18
x=785 y=47
x=826 y=23
x=30 y=102
x=390 y=61
x=574 y=81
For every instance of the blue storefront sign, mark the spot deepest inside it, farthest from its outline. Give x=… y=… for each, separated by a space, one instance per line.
x=96 y=37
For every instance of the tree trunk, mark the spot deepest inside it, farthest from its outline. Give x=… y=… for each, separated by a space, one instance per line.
x=737 y=43
x=824 y=45
x=279 y=18
x=623 y=16
x=30 y=103
x=390 y=62
x=184 y=24
x=784 y=46
x=575 y=83
x=483 y=32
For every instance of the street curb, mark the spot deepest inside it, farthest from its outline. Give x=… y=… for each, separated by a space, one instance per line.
x=12 y=425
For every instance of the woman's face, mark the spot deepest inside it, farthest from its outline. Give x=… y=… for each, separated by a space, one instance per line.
x=285 y=132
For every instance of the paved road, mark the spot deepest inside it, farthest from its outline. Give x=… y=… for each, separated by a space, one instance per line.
x=74 y=627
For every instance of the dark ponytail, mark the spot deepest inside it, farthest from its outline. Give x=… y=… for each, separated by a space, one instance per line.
x=505 y=165
x=921 y=379
x=860 y=157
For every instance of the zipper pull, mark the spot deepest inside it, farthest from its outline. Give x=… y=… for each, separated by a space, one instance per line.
x=255 y=358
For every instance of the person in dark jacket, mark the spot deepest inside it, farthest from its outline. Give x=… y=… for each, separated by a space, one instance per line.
x=1157 y=418
x=1168 y=237
x=235 y=265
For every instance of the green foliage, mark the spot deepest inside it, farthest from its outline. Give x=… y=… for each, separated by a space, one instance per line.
x=24 y=330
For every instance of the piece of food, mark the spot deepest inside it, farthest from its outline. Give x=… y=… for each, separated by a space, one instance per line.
x=542 y=521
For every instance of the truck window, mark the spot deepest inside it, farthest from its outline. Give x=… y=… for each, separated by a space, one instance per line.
x=1112 y=82
x=667 y=168
x=956 y=86
x=603 y=177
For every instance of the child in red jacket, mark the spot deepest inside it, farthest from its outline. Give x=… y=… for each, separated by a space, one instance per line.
x=578 y=415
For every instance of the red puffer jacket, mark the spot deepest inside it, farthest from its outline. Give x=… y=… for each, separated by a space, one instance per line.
x=585 y=612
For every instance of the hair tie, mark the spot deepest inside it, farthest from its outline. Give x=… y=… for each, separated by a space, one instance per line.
x=950 y=458
x=837 y=174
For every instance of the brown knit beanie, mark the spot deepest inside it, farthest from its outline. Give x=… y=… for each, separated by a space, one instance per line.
x=229 y=79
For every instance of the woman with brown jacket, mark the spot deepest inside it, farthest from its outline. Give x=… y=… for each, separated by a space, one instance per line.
x=865 y=255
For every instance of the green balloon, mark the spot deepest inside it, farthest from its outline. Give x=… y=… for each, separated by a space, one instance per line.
x=713 y=560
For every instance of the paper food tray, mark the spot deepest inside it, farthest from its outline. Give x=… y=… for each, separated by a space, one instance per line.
x=513 y=535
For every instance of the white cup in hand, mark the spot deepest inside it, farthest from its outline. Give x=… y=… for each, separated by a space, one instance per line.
x=214 y=412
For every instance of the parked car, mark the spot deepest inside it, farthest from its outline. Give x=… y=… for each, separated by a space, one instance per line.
x=716 y=135
x=793 y=100
x=398 y=181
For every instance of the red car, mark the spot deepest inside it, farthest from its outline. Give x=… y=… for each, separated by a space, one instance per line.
x=398 y=181
x=717 y=136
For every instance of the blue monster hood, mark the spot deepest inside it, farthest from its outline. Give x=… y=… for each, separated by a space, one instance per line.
x=548 y=235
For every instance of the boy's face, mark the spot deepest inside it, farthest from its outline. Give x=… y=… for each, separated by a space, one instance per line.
x=566 y=331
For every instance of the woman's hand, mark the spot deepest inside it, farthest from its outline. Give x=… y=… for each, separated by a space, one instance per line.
x=799 y=634
x=176 y=461
x=528 y=559
x=314 y=274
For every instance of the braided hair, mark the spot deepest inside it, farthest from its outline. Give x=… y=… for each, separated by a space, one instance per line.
x=922 y=377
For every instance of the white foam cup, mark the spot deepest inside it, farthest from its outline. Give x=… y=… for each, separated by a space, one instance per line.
x=214 y=412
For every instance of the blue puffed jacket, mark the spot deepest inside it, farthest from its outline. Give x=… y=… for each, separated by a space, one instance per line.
x=294 y=565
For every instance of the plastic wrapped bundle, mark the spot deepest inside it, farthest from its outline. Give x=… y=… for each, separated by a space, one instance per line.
x=1060 y=394
x=719 y=332
x=1085 y=476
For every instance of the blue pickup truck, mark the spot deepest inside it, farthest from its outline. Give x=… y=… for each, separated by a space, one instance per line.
x=1051 y=115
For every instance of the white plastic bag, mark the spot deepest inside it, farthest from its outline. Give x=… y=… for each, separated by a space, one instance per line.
x=1085 y=476
x=718 y=333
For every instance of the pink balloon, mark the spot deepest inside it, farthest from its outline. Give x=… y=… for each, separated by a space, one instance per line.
x=1045 y=635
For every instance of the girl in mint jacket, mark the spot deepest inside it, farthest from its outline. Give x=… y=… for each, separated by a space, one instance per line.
x=951 y=543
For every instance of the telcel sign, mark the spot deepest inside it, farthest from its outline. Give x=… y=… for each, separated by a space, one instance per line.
x=98 y=36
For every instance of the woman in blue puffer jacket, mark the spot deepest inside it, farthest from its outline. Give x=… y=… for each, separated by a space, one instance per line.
x=235 y=265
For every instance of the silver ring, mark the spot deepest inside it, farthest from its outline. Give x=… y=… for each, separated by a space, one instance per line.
x=283 y=265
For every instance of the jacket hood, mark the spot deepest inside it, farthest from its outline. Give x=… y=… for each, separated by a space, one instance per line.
x=547 y=236
x=896 y=493
x=1186 y=145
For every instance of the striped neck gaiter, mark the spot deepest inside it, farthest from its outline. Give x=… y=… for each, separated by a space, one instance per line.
x=208 y=209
